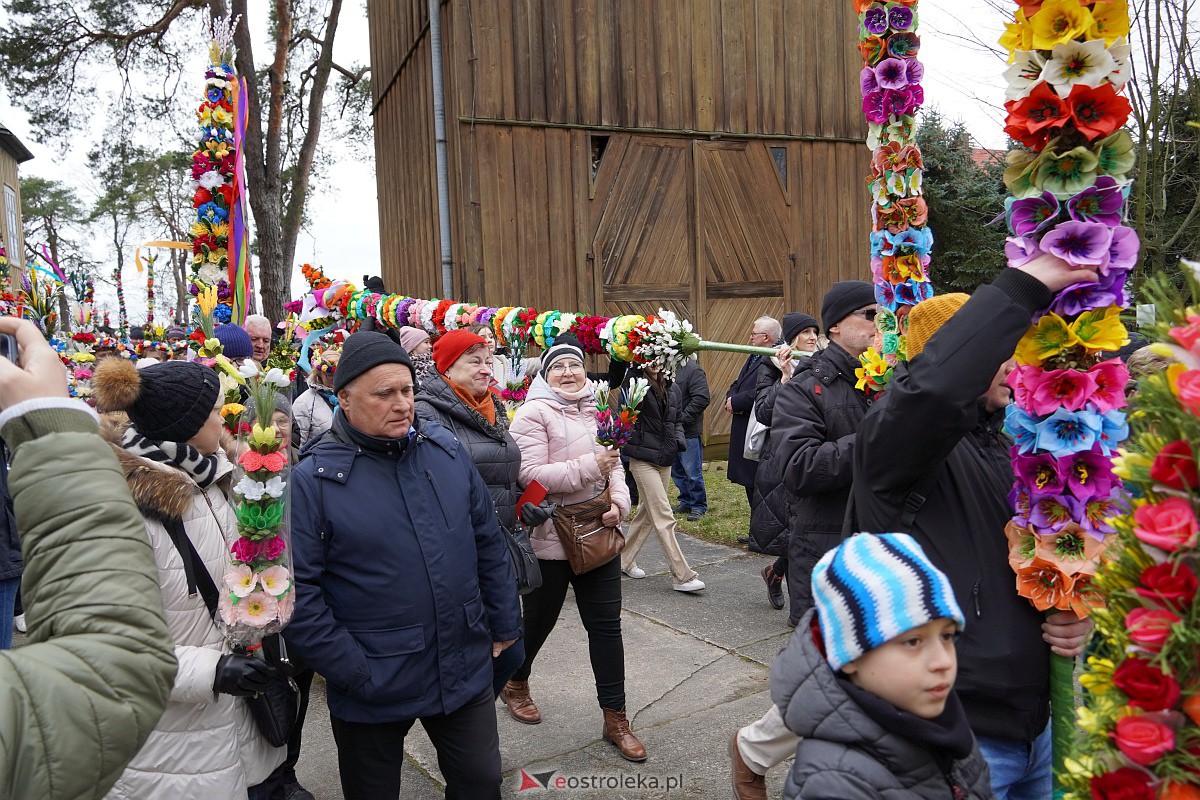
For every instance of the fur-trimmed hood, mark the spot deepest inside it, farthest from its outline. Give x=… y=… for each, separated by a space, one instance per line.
x=161 y=492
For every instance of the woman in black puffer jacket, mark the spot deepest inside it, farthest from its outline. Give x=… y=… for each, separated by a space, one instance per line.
x=457 y=396
x=657 y=439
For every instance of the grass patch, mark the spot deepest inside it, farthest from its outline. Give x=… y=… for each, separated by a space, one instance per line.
x=728 y=514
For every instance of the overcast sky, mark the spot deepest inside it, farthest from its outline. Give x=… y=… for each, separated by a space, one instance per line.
x=962 y=81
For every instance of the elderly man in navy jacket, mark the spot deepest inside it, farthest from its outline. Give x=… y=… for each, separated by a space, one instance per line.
x=404 y=587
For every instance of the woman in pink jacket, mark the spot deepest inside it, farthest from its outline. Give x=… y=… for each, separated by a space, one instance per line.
x=556 y=432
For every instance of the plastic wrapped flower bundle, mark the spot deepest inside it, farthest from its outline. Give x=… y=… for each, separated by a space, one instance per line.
x=257 y=597
x=1139 y=726
x=218 y=233
x=901 y=242
x=1069 y=185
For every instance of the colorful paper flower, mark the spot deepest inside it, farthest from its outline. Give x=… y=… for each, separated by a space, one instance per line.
x=1097 y=112
x=1024 y=73
x=1058 y=22
x=1031 y=215
x=1081 y=244
x=1065 y=432
x=258 y=610
x=1072 y=63
x=1065 y=173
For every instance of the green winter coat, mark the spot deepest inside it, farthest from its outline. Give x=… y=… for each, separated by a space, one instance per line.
x=79 y=700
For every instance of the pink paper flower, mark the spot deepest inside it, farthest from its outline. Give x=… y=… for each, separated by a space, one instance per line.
x=1068 y=388
x=258 y=610
x=245 y=550
x=272 y=548
x=1020 y=250
x=1187 y=336
x=275 y=580
x=253 y=461
x=240 y=580
x=1110 y=378
x=1123 y=249
x=226 y=609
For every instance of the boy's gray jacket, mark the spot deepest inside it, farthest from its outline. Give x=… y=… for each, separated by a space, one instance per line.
x=843 y=753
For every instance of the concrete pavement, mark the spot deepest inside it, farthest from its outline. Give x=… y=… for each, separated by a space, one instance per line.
x=696 y=670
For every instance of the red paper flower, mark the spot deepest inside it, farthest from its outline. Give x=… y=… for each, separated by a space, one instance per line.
x=1168 y=584
x=252 y=461
x=201 y=197
x=1150 y=627
x=1034 y=118
x=1143 y=740
x=1175 y=466
x=1125 y=783
x=1097 y=112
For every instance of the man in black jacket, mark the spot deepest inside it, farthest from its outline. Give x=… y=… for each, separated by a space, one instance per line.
x=932 y=460
x=812 y=435
x=688 y=469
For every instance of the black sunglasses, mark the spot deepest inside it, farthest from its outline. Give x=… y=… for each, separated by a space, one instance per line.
x=868 y=314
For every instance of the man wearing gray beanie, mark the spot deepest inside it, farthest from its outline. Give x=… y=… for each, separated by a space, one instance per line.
x=405 y=590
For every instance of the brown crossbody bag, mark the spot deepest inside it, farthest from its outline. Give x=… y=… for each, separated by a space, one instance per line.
x=589 y=543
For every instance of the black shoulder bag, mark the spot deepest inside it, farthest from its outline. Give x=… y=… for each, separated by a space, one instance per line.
x=276 y=709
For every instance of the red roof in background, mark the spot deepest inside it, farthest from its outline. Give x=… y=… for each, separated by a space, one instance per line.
x=982 y=156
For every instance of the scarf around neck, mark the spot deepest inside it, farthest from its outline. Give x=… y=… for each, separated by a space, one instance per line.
x=484 y=407
x=202 y=469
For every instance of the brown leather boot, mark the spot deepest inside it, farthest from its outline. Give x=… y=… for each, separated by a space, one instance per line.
x=747 y=784
x=616 y=730
x=515 y=695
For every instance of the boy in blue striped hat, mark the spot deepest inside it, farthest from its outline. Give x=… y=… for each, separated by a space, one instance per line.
x=867 y=680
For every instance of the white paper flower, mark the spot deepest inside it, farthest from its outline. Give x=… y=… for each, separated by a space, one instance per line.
x=1084 y=63
x=258 y=610
x=209 y=274
x=1122 y=65
x=275 y=580
x=211 y=179
x=251 y=489
x=1024 y=74
x=274 y=487
x=276 y=376
x=248 y=369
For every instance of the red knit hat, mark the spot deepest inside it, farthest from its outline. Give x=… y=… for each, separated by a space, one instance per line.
x=451 y=345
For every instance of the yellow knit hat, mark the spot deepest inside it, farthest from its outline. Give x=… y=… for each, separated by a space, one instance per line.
x=929 y=315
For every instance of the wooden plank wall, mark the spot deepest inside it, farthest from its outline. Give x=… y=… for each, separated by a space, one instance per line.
x=739 y=66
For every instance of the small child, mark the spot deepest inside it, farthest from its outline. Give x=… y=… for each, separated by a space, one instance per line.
x=867 y=680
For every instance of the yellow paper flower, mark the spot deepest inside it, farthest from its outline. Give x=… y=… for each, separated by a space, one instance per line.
x=1173 y=373
x=263 y=437
x=1110 y=21
x=81 y=357
x=874 y=366
x=1058 y=22
x=1128 y=465
x=232 y=409
x=1101 y=329
x=1018 y=35
x=207 y=299
x=1097 y=679
x=1049 y=337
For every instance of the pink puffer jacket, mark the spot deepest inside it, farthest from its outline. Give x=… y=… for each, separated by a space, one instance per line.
x=558 y=445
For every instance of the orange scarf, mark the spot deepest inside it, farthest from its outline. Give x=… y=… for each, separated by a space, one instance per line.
x=484 y=405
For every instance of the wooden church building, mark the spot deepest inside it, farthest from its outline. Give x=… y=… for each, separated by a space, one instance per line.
x=615 y=156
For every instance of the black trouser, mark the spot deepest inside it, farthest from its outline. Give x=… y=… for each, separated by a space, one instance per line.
x=370 y=754
x=598 y=595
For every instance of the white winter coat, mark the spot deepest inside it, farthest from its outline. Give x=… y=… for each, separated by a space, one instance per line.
x=312 y=415
x=206 y=744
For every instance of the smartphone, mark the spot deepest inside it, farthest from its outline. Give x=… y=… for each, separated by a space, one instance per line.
x=534 y=493
x=8 y=347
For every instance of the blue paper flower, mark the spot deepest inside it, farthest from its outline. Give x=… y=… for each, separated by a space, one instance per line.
x=1065 y=432
x=1021 y=427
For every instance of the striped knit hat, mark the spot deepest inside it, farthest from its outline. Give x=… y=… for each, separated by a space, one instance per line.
x=873 y=587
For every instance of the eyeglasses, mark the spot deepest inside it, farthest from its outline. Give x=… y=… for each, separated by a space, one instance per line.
x=759 y=333
x=564 y=367
x=866 y=313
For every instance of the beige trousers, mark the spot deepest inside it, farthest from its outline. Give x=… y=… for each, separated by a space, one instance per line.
x=766 y=742
x=654 y=514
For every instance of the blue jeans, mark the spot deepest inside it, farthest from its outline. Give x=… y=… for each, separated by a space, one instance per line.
x=8 y=601
x=688 y=474
x=1020 y=770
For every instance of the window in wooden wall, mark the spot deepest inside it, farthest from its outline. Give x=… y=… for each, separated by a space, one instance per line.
x=779 y=156
x=598 y=143
x=12 y=229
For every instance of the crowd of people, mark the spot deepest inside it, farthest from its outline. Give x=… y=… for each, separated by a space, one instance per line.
x=427 y=578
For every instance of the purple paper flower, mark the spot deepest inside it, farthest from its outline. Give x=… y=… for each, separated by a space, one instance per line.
x=1065 y=432
x=867 y=82
x=1081 y=244
x=916 y=70
x=1100 y=202
x=1021 y=250
x=1040 y=473
x=891 y=74
x=1109 y=291
x=874 y=108
x=1098 y=511
x=1019 y=501
x=899 y=102
x=1052 y=513
x=900 y=18
x=1088 y=474
x=1032 y=215
x=1123 y=249
x=875 y=19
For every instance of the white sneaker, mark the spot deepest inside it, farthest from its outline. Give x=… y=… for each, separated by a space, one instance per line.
x=694 y=585
x=19 y=622
x=634 y=572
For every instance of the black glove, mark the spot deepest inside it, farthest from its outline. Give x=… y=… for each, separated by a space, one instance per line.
x=533 y=515
x=241 y=676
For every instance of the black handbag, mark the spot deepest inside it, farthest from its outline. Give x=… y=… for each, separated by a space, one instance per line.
x=529 y=573
x=275 y=709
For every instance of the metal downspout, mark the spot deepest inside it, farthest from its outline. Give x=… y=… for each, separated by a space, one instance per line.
x=439 y=133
